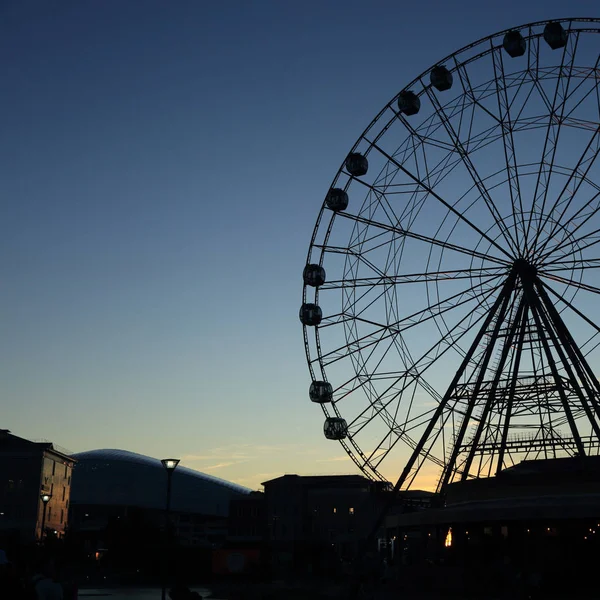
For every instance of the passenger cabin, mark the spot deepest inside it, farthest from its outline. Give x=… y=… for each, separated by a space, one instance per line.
x=310 y=314
x=357 y=164
x=555 y=35
x=409 y=103
x=337 y=200
x=335 y=428
x=441 y=79
x=321 y=392
x=514 y=44
x=313 y=275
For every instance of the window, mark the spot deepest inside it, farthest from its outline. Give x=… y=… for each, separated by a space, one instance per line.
x=334 y=510
x=61 y=515
x=64 y=492
x=351 y=510
x=53 y=468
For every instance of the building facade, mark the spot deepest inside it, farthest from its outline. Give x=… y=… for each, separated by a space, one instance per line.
x=247 y=519
x=315 y=522
x=28 y=470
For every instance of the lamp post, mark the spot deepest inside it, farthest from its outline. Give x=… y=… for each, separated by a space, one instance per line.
x=170 y=464
x=45 y=498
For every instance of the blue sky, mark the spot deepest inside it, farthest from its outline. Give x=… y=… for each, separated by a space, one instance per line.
x=163 y=164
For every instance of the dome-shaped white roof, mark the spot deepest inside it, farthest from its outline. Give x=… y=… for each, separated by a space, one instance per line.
x=120 y=477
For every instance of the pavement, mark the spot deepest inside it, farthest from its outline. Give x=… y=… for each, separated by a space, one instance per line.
x=135 y=593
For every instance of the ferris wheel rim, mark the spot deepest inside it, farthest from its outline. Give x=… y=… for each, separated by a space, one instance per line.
x=362 y=138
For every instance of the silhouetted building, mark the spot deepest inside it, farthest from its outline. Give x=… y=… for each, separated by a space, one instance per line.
x=28 y=469
x=314 y=521
x=117 y=485
x=537 y=516
x=247 y=519
x=559 y=488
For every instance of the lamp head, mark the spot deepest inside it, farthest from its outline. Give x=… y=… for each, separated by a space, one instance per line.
x=170 y=464
x=45 y=498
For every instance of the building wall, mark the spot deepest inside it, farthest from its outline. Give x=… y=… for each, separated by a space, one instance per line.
x=19 y=493
x=342 y=516
x=333 y=513
x=56 y=479
x=247 y=518
x=27 y=469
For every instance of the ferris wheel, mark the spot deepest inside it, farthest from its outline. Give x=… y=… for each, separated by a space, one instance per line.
x=450 y=301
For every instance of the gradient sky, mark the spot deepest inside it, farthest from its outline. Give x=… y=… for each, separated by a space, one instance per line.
x=162 y=167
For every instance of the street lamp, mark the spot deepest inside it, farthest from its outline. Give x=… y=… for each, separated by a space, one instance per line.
x=170 y=464
x=45 y=498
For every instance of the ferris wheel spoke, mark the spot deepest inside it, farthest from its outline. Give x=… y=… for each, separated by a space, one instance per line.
x=571 y=248
x=510 y=157
x=461 y=150
x=357 y=255
x=588 y=156
x=570 y=305
x=594 y=89
x=571 y=265
x=382 y=238
x=581 y=160
x=379 y=453
x=353 y=300
x=410 y=321
x=420 y=363
x=572 y=241
x=572 y=282
x=418 y=375
x=451 y=208
x=468 y=90
x=382 y=201
x=386 y=280
x=552 y=135
x=428 y=240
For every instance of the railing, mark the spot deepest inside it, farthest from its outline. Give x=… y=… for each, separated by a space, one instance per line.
x=529 y=442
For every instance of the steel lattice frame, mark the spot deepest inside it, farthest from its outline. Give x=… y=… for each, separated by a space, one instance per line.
x=459 y=324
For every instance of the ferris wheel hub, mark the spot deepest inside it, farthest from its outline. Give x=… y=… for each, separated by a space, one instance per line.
x=524 y=269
